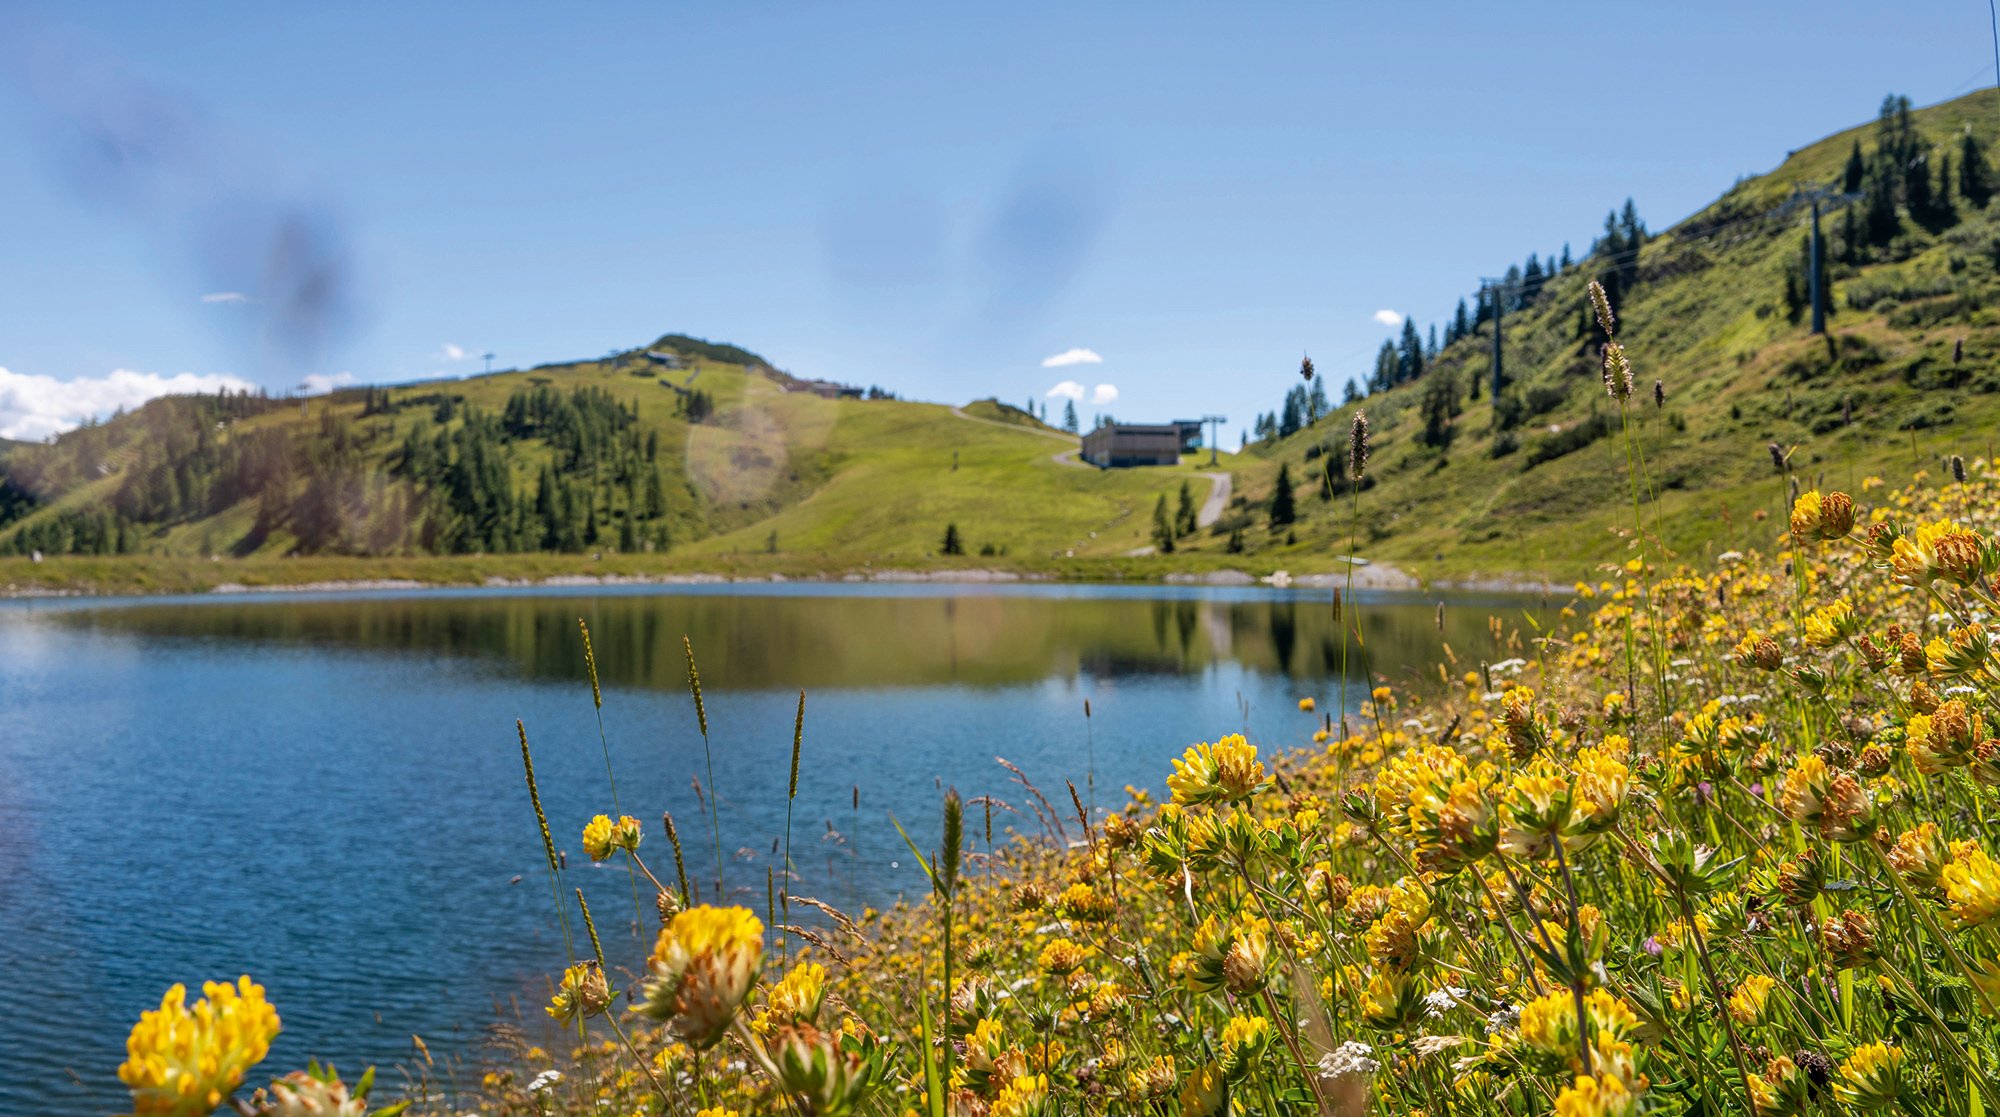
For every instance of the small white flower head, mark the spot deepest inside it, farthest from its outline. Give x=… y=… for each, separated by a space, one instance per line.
x=1351 y=1058
x=1440 y=1001
x=545 y=1081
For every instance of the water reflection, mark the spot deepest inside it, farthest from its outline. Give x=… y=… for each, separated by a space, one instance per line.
x=756 y=637
x=326 y=791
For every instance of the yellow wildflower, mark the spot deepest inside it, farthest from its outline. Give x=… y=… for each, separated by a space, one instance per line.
x=1604 y=1096
x=312 y=1094
x=702 y=966
x=1871 y=1077
x=1972 y=881
x=1224 y=772
x=1154 y=1080
x=1244 y=1040
x=1062 y=956
x=1749 y=1002
x=1026 y=1096
x=798 y=995
x=1202 y=1095
x=602 y=837
x=583 y=992
x=184 y=1062
x=1830 y=624
x=1549 y=1023
x=1806 y=514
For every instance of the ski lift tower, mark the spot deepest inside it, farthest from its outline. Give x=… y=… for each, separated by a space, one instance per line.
x=1214 y=433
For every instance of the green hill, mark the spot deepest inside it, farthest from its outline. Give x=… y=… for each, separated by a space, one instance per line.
x=1715 y=310
x=702 y=452
x=708 y=454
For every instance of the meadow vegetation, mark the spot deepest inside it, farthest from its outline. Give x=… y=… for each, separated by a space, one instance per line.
x=1718 y=843
x=719 y=463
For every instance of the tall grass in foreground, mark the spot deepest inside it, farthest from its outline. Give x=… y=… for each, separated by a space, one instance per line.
x=1770 y=889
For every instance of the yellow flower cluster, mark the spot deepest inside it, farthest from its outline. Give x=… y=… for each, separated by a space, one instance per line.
x=701 y=969
x=184 y=1062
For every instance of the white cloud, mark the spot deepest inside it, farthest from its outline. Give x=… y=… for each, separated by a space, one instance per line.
x=452 y=352
x=1388 y=318
x=34 y=407
x=1068 y=389
x=225 y=297
x=1070 y=357
x=1104 y=393
x=320 y=383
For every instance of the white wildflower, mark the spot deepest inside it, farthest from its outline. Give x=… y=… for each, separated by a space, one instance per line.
x=1351 y=1058
x=1505 y=1020
x=1440 y=1001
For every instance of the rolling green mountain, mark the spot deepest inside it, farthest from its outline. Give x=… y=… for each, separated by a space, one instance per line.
x=682 y=447
x=1715 y=311
x=704 y=452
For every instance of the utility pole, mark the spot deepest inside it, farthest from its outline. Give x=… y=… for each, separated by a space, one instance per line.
x=489 y=361
x=1815 y=193
x=1214 y=433
x=1817 y=264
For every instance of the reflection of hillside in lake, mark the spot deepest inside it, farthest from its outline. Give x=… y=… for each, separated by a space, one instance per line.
x=326 y=792
x=753 y=637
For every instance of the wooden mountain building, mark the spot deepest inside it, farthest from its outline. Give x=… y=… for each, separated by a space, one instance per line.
x=1118 y=445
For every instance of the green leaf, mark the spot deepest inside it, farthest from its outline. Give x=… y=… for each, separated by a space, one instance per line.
x=933 y=1079
x=915 y=852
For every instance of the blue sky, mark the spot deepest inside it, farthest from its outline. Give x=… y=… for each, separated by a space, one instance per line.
x=934 y=198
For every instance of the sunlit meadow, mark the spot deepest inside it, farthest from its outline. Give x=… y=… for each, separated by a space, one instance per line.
x=1720 y=844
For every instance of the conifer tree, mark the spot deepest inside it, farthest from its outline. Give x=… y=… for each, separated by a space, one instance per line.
x=1531 y=280
x=1163 y=531
x=1974 y=177
x=1441 y=399
x=1878 y=216
x=953 y=545
x=1409 y=354
x=1293 y=417
x=1069 y=416
x=1185 y=515
x=1917 y=186
x=1386 y=365
x=1857 y=169
x=1281 y=498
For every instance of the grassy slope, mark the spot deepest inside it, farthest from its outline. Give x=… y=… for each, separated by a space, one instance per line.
x=839 y=485
x=897 y=487
x=849 y=483
x=1708 y=320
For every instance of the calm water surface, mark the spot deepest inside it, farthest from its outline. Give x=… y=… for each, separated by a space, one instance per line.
x=325 y=792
